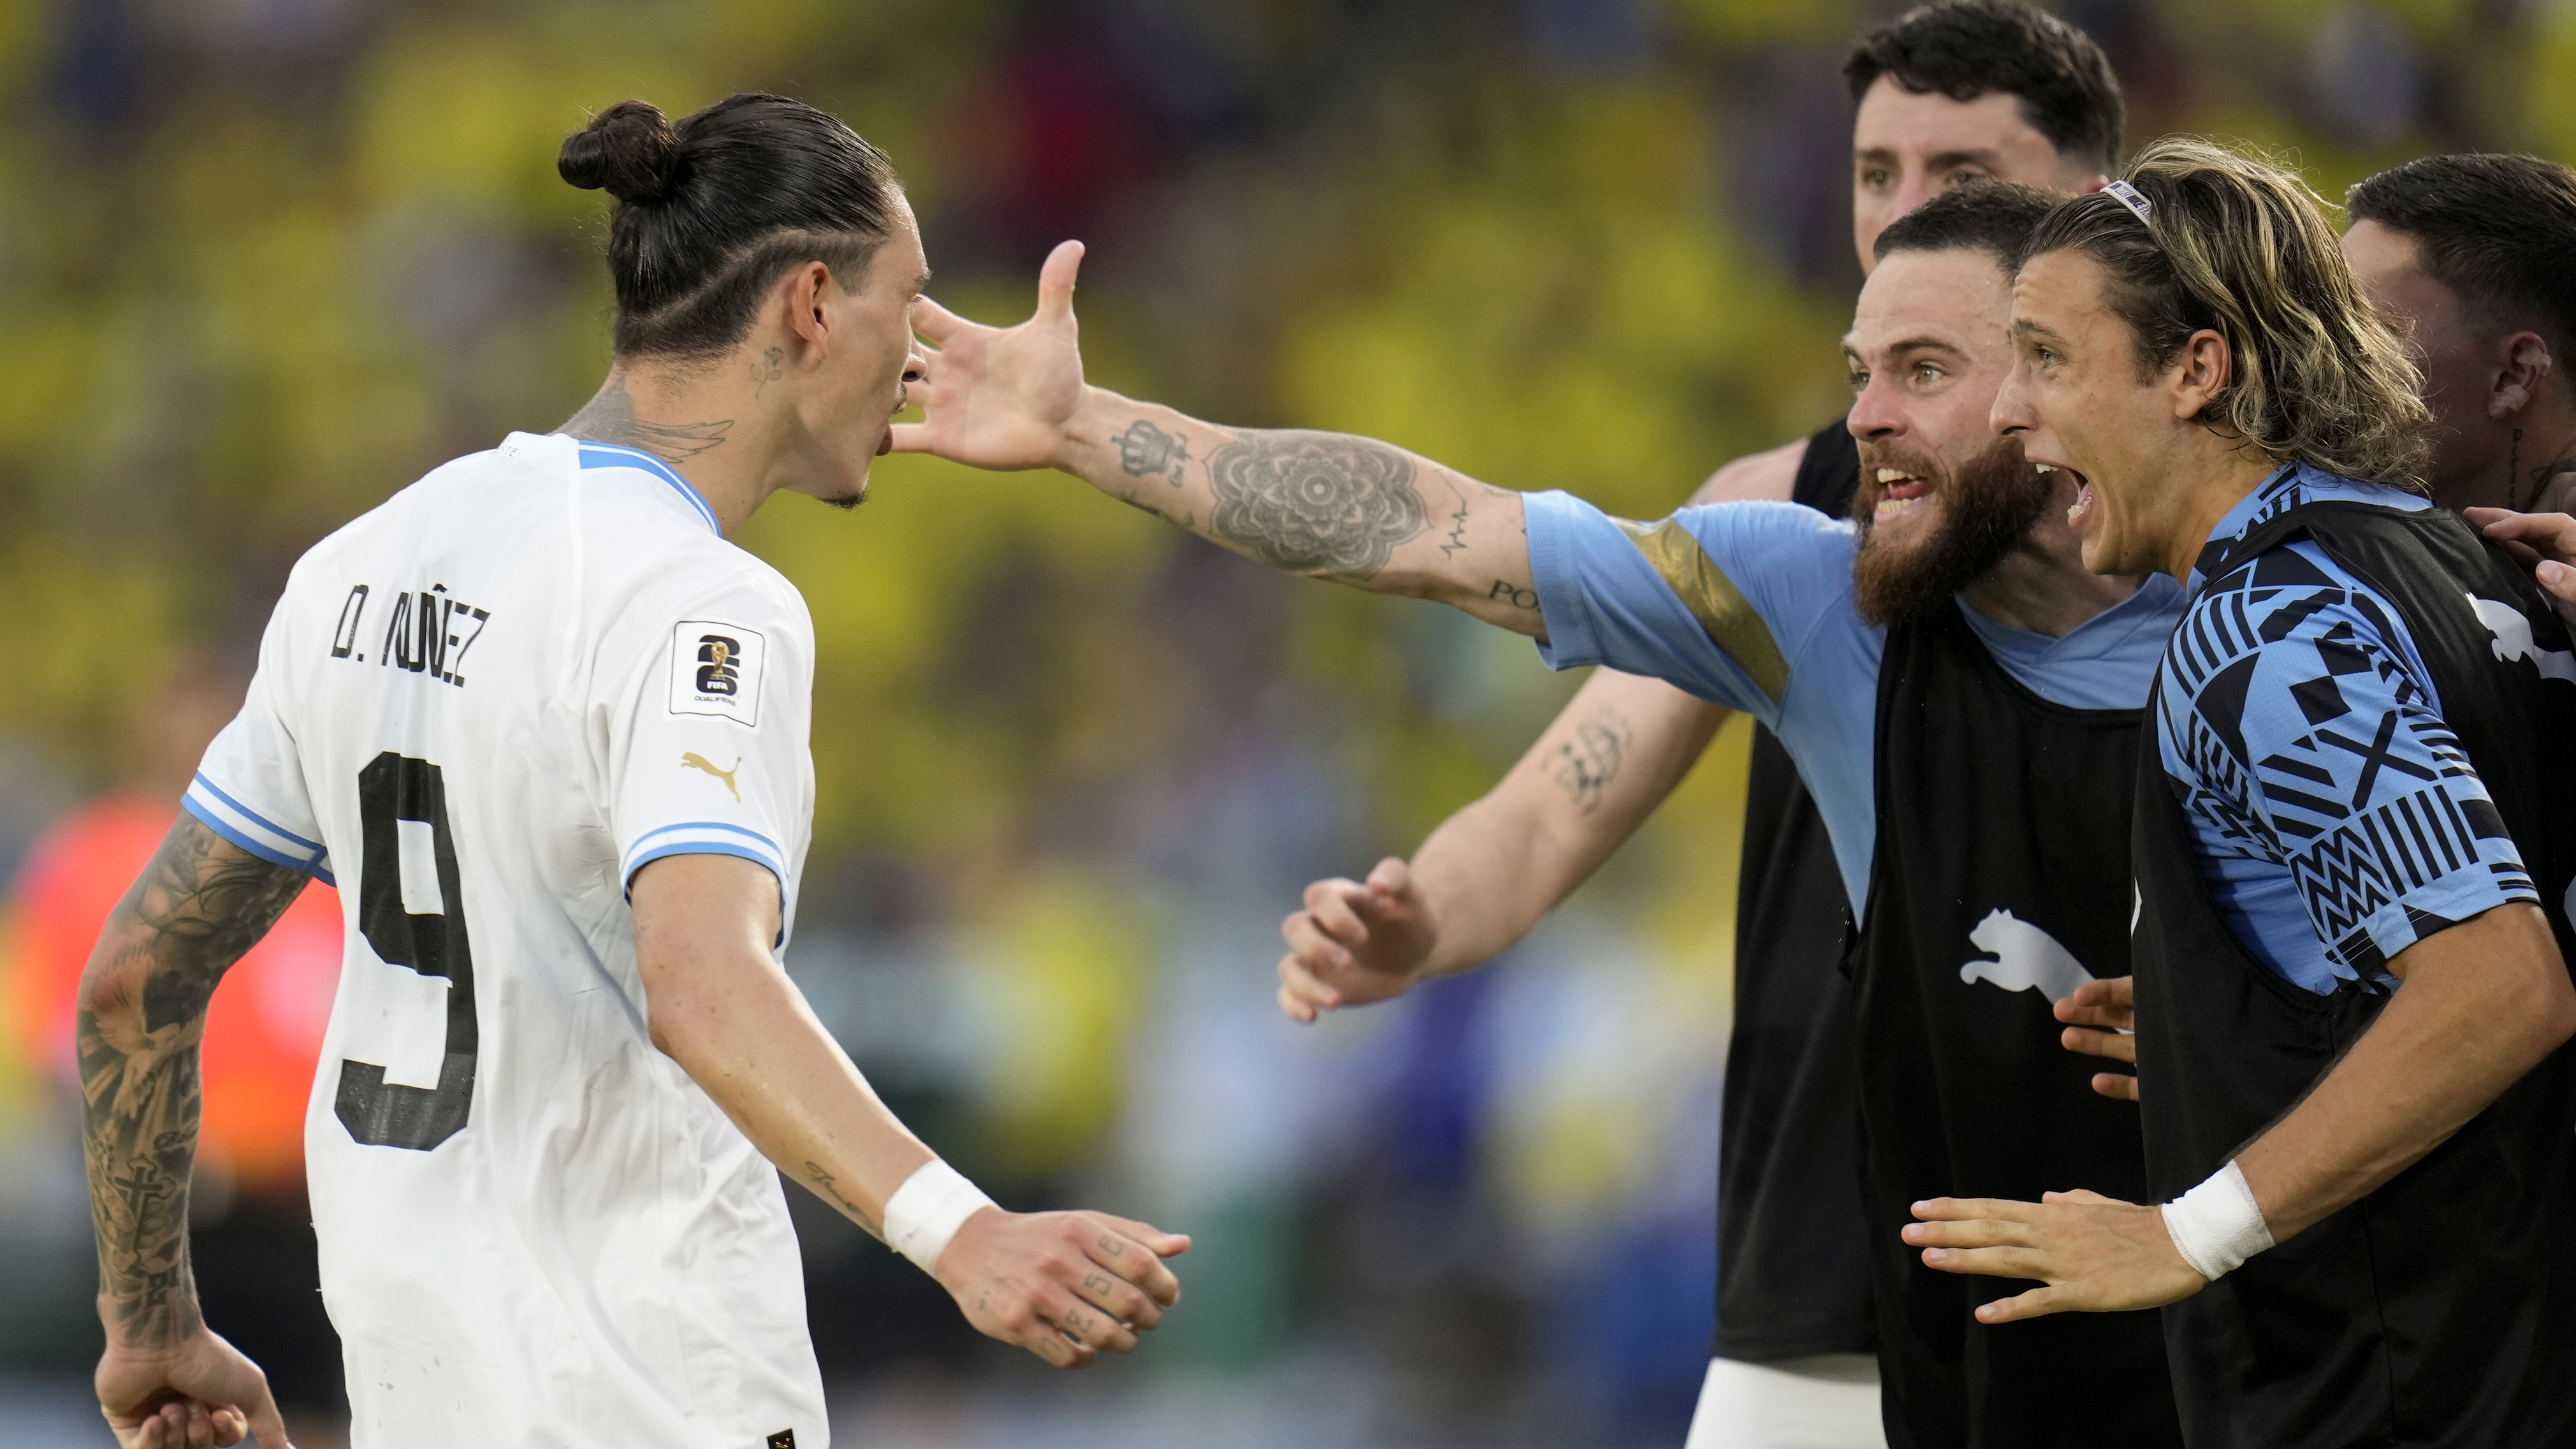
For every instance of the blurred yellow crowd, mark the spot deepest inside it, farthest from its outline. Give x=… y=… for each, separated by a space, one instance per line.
x=263 y=262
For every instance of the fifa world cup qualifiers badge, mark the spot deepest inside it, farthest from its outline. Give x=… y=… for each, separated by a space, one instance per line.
x=715 y=669
x=783 y=1439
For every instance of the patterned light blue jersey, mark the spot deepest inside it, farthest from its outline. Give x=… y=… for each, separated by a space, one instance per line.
x=2337 y=819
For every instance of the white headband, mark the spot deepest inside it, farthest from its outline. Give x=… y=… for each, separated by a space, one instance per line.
x=2129 y=197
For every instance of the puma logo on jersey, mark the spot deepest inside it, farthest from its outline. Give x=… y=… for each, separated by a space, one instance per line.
x=2513 y=640
x=2027 y=958
x=695 y=761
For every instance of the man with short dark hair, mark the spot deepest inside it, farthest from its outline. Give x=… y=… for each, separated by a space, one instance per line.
x=1962 y=694
x=2479 y=253
x=1943 y=95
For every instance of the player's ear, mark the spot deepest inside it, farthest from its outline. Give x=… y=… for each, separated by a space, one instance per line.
x=807 y=288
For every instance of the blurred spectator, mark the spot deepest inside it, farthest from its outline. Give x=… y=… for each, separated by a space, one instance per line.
x=254 y=1249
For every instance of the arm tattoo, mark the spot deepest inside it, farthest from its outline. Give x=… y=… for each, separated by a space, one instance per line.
x=1514 y=594
x=610 y=417
x=828 y=1187
x=1144 y=449
x=1315 y=503
x=1586 y=764
x=198 y=906
x=1457 y=538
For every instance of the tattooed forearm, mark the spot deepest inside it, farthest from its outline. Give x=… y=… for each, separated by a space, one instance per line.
x=1514 y=595
x=197 y=907
x=609 y=417
x=1315 y=503
x=1586 y=764
x=1144 y=449
x=829 y=1187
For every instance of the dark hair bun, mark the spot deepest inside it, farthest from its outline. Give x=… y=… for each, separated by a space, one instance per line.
x=626 y=150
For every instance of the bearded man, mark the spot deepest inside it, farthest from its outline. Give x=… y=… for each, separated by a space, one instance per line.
x=1962 y=697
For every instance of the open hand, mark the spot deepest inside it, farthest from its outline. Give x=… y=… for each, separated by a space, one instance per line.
x=2096 y=1254
x=2544 y=543
x=2102 y=1017
x=999 y=397
x=1064 y=1286
x=200 y=1391
x=1355 y=942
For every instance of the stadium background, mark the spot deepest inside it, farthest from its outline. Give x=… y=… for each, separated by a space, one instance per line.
x=264 y=261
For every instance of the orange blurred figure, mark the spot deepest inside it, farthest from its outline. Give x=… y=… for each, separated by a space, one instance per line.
x=263 y=1029
x=264 y=1026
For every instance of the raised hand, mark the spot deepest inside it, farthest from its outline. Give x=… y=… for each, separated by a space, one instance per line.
x=1065 y=1286
x=2095 y=1254
x=2102 y=1017
x=999 y=397
x=1355 y=942
x=199 y=1391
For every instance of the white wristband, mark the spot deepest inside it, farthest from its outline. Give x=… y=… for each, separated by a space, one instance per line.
x=2217 y=1225
x=928 y=1210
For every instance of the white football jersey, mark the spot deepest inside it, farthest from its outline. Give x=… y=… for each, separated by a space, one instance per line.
x=482 y=707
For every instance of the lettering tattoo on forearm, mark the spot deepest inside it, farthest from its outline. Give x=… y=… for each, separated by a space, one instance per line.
x=1147 y=450
x=1513 y=594
x=1586 y=764
x=1315 y=503
x=825 y=1183
x=609 y=417
x=199 y=905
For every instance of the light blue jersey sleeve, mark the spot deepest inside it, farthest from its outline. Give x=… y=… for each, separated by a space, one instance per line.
x=1715 y=600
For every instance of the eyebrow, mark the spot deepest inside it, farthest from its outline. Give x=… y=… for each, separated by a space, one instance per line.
x=1910 y=344
x=2024 y=327
x=921 y=283
x=1938 y=161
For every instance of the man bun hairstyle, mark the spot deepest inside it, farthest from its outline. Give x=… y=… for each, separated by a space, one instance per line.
x=2498 y=230
x=2235 y=245
x=1993 y=217
x=711 y=212
x=1966 y=48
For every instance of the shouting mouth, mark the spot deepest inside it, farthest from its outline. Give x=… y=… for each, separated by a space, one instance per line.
x=1898 y=491
x=2082 y=507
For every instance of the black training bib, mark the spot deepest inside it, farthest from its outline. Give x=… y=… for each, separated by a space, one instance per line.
x=2000 y=881
x=2441 y=1309
x=1792 y=1251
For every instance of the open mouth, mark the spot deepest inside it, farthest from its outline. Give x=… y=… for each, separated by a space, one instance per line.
x=1898 y=491
x=2082 y=507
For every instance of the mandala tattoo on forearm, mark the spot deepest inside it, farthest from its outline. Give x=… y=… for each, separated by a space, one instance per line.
x=199 y=905
x=1315 y=503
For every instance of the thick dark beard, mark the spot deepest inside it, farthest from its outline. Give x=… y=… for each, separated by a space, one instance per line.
x=1986 y=511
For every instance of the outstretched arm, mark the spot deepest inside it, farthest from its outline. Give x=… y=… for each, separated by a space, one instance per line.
x=1065 y=1285
x=201 y=903
x=1489 y=872
x=1492 y=870
x=1326 y=505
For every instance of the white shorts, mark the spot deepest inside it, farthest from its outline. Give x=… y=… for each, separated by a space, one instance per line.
x=1828 y=1401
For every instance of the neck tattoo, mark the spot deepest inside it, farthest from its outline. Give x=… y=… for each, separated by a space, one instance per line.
x=610 y=418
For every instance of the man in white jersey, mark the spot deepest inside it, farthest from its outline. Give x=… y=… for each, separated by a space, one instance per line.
x=547 y=731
